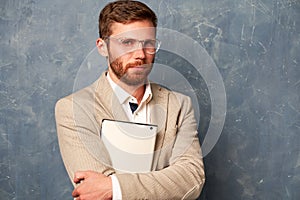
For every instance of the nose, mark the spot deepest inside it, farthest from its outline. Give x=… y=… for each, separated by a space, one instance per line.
x=139 y=51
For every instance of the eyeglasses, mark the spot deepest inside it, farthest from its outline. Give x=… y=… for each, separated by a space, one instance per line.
x=150 y=46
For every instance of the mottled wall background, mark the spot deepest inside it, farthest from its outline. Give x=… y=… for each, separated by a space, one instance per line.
x=254 y=43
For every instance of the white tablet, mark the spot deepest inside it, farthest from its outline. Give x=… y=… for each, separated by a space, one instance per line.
x=130 y=145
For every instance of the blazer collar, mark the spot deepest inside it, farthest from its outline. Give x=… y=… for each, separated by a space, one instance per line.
x=106 y=98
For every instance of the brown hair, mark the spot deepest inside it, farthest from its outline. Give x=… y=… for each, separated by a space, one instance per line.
x=123 y=11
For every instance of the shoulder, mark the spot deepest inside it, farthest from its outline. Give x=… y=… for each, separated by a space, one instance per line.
x=80 y=97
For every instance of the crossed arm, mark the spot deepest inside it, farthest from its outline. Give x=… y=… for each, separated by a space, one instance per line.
x=179 y=176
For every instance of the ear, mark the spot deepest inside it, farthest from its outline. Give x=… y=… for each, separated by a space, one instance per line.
x=102 y=47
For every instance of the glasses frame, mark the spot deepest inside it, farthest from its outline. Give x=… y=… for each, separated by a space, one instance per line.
x=136 y=46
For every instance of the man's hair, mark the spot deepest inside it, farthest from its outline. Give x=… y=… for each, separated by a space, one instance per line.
x=125 y=12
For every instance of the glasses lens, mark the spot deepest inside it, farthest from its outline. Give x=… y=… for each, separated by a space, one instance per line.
x=151 y=46
x=129 y=43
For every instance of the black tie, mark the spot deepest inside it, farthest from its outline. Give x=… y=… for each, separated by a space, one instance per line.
x=133 y=106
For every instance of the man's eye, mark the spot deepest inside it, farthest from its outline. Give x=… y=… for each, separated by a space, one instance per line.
x=150 y=43
x=128 y=42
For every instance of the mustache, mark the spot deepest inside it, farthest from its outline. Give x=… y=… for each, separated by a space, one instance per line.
x=135 y=64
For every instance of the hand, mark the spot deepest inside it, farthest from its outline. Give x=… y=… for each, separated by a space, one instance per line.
x=93 y=185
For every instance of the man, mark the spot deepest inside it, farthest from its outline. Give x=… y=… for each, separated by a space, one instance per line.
x=128 y=40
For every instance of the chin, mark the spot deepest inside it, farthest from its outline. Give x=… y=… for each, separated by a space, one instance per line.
x=135 y=79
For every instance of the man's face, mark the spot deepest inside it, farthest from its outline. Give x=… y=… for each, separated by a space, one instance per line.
x=130 y=63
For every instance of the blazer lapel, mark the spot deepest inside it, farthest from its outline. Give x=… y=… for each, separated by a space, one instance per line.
x=158 y=107
x=109 y=105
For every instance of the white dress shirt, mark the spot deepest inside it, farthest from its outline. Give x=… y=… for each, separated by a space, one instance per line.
x=140 y=115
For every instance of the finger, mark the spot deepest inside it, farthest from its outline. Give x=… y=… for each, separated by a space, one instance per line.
x=75 y=193
x=79 y=176
x=91 y=196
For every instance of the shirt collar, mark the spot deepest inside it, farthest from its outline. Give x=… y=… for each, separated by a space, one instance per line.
x=124 y=96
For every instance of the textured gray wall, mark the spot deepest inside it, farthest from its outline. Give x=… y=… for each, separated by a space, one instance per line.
x=255 y=45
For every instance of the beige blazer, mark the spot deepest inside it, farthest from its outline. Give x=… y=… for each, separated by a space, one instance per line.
x=178 y=171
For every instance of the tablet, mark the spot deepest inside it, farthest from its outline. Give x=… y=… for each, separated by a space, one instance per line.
x=130 y=145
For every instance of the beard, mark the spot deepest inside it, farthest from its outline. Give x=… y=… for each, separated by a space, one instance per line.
x=131 y=77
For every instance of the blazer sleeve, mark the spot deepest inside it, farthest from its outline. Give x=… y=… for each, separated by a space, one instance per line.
x=80 y=146
x=184 y=177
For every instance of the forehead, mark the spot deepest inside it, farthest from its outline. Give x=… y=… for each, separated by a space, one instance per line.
x=138 y=29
